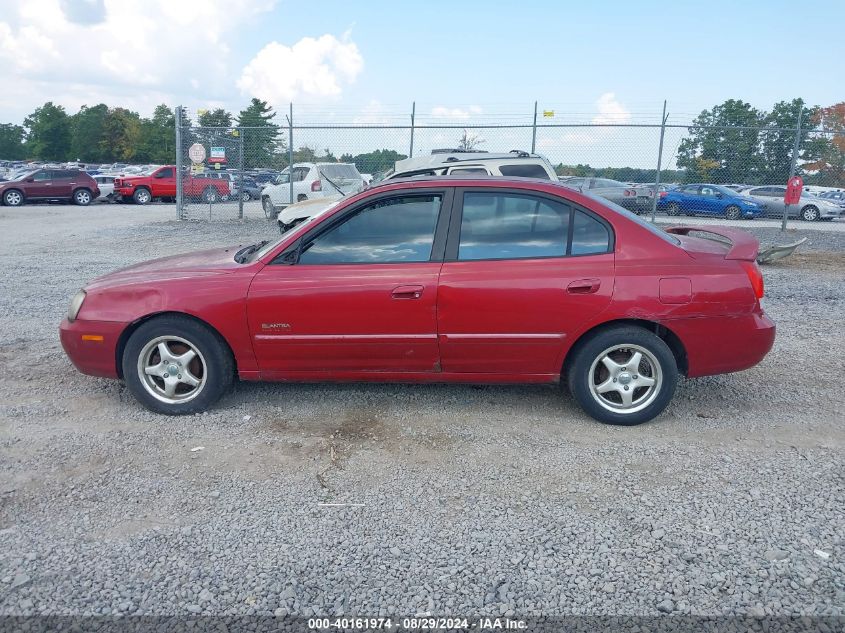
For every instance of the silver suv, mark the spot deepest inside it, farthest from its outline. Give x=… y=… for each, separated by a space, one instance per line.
x=442 y=162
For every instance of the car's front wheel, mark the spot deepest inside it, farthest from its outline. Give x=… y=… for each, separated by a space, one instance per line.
x=733 y=212
x=210 y=195
x=142 y=196
x=176 y=365
x=623 y=375
x=245 y=196
x=810 y=213
x=13 y=198
x=673 y=209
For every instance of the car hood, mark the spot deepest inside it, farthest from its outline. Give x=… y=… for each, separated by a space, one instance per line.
x=195 y=264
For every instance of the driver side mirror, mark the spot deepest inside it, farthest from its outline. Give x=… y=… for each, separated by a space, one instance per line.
x=30 y=179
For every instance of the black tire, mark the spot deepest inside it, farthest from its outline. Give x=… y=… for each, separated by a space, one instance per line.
x=245 y=196
x=217 y=367
x=210 y=195
x=82 y=197
x=733 y=212
x=810 y=214
x=301 y=197
x=673 y=209
x=585 y=368
x=142 y=195
x=13 y=198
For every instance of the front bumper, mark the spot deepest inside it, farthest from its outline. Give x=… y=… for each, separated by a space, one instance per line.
x=92 y=345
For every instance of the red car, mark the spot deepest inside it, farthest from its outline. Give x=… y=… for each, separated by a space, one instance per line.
x=50 y=184
x=437 y=280
x=161 y=183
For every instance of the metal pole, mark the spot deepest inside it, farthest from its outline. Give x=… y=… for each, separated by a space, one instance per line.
x=290 y=152
x=795 y=150
x=413 y=116
x=179 y=190
x=659 y=164
x=241 y=174
x=534 y=130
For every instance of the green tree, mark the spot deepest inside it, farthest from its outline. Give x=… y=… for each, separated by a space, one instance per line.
x=777 y=145
x=158 y=137
x=215 y=118
x=87 y=132
x=121 y=134
x=728 y=136
x=48 y=133
x=12 y=141
x=261 y=143
x=374 y=162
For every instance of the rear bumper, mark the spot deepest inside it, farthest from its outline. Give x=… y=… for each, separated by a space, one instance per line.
x=721 y=345
x=90 y=355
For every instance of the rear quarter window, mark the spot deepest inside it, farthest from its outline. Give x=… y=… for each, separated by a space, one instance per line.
x=525 y=171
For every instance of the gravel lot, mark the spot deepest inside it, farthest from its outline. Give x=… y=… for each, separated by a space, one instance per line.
x=459 y=499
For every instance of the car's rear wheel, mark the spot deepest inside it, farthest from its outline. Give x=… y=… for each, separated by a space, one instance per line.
x=13 y=198
x=175 y=365
x=733 y=212
x=142 y=195
x=810 y=213
x=245 y=196
x=82 y=197
x=673 y=209
x=623 y=375
x=210 y=195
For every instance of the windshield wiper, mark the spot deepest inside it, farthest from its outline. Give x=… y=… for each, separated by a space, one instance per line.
x=242 y=256
x=331 y=182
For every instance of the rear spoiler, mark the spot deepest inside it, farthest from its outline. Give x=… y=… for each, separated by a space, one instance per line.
x=744 y=246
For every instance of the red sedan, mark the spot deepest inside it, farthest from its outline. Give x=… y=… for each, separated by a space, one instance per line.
x=437 y=280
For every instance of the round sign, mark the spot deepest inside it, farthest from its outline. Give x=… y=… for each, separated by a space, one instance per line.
x=196 y=153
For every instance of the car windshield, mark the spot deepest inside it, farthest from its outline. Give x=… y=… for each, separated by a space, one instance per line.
x=338 y=172
x=25 y=174
x=270 y=246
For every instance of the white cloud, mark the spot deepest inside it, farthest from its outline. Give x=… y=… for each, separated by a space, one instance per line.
x=311 y=67
x=442 y=112
x=610 y=110
x=123 y=52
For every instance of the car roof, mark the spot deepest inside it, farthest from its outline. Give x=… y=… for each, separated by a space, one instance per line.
x=440 y=159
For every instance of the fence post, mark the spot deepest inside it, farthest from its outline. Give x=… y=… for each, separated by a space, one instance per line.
x=793 y=163
x=534 y=130
x=413 y=116
x=290 y=152
x=659 y=164
x=240 y=174
x=179 y=191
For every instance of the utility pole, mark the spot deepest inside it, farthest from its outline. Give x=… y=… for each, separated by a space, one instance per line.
x=659 y=164
x=534 y=130
x=290 y=152
x=413 y=116
x=795 y=149
x=179 y=188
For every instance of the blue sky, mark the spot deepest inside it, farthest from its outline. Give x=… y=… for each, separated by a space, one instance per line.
x=462 y=62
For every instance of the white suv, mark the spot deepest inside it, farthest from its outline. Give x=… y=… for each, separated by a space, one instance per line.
x=439 y=163
x=310 y=181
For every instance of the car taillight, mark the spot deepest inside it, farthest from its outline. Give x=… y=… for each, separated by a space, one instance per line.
x=629 y=193
x=316 y=186
x=755 y=277
x=663 y=194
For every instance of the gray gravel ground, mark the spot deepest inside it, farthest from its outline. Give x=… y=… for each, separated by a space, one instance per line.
x=461 y=499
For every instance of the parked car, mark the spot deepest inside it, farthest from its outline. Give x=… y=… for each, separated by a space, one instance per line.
x=49 y=184
x=310 y=180
x=835 y=196
x=704 y=199
x=636 y=198
x=249 y=189
x=809 y=208
x=106 y=185
x=437 y=280
x=442 y=162
x=161 y=183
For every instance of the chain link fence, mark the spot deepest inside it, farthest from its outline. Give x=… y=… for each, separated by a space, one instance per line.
x=227 y=168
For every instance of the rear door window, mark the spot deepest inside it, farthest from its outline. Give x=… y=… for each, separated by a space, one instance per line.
x=525 y=171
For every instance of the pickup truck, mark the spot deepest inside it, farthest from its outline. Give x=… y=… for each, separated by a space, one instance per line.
x=161 y=183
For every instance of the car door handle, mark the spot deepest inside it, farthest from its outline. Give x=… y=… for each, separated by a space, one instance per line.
x=583 y=286
x=407 y=292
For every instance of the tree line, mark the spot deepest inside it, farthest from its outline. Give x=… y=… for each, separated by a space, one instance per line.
x=732 y=142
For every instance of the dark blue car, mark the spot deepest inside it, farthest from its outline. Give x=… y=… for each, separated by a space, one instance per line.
x=703 y=199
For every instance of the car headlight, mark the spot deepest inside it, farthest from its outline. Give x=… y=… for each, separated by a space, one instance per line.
x=75 y=305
